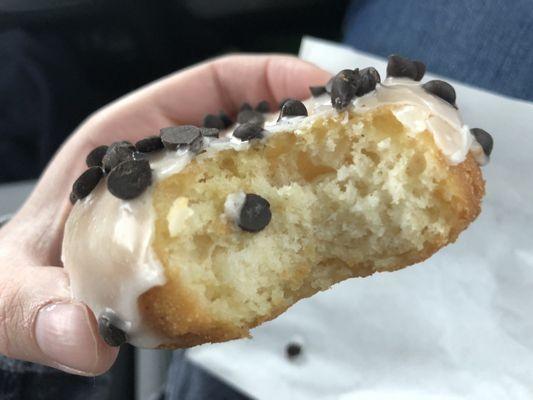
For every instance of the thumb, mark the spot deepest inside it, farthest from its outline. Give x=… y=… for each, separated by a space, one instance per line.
x=41 y=323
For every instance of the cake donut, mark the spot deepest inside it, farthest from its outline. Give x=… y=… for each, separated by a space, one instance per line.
x=198 y=234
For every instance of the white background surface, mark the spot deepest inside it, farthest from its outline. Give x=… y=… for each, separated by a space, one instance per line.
x=458 y=326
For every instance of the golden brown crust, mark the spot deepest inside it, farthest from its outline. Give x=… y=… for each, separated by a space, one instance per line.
x=469 y=187
x=175 y=311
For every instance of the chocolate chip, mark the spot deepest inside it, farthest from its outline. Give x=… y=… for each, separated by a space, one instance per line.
x=329 y=84
x=484 y=139
x=420 y=70
x=87 y=181
x=108 y=327
x=344 y=88
x=213 y=121
x=263 y=107
x=250 y=116
x=317 y=90
x=149 y=144
x=129 y=179
x=245 y=106
x=283 y=102
x=293 y=350
x=227 y=120
x=292 y=108
x=94 y=158
x=197 y=145
x=441 y=89
x=73 y=198
x=400 y=67
x=137 y=155
x=210 y=132
x=117 y=153
x=249 y=131
x=369 y=78
x=176 y=136
x=255 y=213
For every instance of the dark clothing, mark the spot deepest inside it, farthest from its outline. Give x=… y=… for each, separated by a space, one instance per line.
x=187 y=382
x=20 y=380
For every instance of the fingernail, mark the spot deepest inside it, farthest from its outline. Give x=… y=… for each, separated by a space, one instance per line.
x=64 y=334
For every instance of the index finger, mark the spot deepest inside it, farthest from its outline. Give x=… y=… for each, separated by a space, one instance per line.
x=229 y=81
x=183 y=97
x=220 y=84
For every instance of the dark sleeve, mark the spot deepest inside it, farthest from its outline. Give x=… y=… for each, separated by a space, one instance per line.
x=21 y=380
x=43 y=96
x=485 y=44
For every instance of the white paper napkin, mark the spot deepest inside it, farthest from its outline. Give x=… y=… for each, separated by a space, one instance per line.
x=458 y=326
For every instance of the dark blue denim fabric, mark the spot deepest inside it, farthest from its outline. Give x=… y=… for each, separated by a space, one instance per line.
x=487 y=44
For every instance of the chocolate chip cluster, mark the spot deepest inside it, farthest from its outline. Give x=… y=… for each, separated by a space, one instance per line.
x=125 y=165
x=127 y=168
x=251 y=121
x=349 y=84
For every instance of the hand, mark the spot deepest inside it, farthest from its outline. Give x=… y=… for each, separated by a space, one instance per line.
x=39 y=320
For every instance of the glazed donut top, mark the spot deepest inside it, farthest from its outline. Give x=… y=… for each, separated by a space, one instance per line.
x=107 y=244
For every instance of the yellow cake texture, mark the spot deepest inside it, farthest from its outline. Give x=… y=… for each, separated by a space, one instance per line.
x=350 y=195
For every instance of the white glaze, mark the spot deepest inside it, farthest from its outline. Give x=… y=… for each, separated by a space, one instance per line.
x=107 y=244
x=479 y=154
x=107 y=254
x=233 y=206
x=177 y=216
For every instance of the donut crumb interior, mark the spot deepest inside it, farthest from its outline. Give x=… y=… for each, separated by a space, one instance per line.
x=350 y=195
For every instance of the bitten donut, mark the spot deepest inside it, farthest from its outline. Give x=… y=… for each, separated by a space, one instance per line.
x=199 y=234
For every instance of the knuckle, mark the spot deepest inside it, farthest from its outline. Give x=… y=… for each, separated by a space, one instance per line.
x=228 y=58
x=12 y=316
